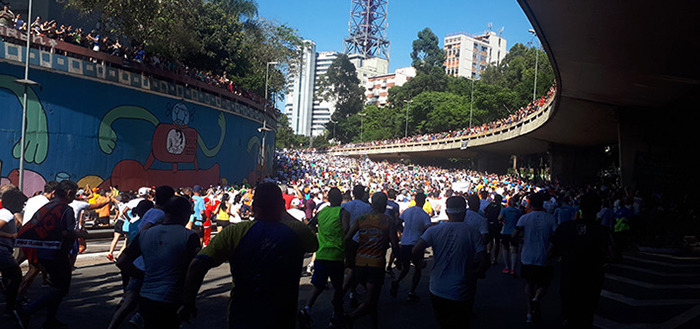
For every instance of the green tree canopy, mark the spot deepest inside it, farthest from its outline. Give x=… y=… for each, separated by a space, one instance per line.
x=341 y=86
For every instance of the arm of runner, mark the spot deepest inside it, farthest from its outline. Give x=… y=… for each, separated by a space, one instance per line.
x=345 y=220
x=353 y=229
x=393 y=238
x=125 y=262
x=419 y=249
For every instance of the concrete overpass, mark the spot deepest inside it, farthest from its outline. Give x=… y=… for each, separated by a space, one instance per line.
x=626 y=75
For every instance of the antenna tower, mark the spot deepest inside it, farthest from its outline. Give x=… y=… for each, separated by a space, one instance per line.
x=368 y=26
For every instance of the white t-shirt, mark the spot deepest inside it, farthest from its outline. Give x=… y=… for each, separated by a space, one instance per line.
x=6 y=244
x=32 y=205
x=442 y=215
x=78 y=208
x=415 y=220
x=132 y=204
x=454 y=247
x=475 y=220
x=235 y=216
x=538 y=227
x=297 y=213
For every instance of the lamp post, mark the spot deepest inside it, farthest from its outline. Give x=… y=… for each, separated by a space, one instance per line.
x=362 y=125
x=471 y=106
x=334 y=124
x=537 y=55
x=26 y=83
x=267 y=76
x=408 y=105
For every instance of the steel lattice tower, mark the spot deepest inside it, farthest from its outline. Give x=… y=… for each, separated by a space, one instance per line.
x=368 y=25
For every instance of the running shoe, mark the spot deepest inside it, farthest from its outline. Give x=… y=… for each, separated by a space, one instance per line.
x=110 y=257
x=512 y=272
x=304 y=318
x=530 y=318
x=394 y=291
x=137 y=321
x=506 y=271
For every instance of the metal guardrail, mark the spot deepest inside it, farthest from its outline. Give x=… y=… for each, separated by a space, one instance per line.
x=459 y=141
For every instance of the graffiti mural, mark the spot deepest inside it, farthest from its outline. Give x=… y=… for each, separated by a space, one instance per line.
x=106 y=134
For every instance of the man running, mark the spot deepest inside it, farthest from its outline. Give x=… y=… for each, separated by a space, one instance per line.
x=376 y=232
x=456 y=250
x=416 y=221
x=265 y=257
x=333 y=223
x=535 y=229
x=357 y=208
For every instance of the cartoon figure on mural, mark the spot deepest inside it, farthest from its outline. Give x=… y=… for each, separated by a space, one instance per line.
x=36 y=138
x=174 y=143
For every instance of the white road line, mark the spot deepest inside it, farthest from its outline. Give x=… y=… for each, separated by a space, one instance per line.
x=644 y=270
x=651 y=285
x=671 y=256
x=656 y=262
x=646 y=302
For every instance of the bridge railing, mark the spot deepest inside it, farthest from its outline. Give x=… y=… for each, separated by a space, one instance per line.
x=505 y=128
x=71 y=50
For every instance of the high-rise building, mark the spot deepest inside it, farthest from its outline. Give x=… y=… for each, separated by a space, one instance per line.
x=300 y=96
x=467 y=55
x=378 y=86
x=322 y=109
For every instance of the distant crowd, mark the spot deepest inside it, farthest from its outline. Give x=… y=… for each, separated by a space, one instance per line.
x=112 y=45
x=516 y=117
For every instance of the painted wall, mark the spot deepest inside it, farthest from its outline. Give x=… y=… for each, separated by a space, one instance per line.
x=104 y=133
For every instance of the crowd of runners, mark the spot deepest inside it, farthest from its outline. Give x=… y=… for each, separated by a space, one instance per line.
x=366 y=223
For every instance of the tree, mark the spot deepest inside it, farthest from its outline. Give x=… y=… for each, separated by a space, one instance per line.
x=427 y=53
x=341 y=85
x=381 y=123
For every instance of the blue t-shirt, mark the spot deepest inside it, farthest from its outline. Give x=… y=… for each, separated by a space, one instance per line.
x=199 y=207
x=510 y=218
x=415 y=222
x=564 y=213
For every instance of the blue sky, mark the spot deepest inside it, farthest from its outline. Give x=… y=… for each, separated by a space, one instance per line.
x=326 y=21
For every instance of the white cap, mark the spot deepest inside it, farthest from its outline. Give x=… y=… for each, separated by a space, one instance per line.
x=144 y=190
x=296 y=202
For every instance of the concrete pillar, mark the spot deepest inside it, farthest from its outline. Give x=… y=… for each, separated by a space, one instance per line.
x=575 y=165
x=493 y=163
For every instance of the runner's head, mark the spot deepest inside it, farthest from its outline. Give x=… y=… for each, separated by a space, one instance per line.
x=474 y=202
x=13 y=200
x=536 y=200
x=420 y=199
x=379 y=201
x=358 y=192
x=268 y=202
x=335 y=197
x=66 y=189
x=455 y=208
x=177 y=210
x=163 y=193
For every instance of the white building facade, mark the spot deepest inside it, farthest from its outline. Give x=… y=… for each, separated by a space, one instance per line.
x=467 y=55
x=299 y=99
x=378 y=86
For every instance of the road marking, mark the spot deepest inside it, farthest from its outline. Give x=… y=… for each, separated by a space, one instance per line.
x=656 y=262
x=671 y=256
x=644 y=270
x=646 y=302
x=651 y=285
x=673 y=323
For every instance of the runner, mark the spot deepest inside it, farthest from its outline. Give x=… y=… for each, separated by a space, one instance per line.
x=535 y=229
x=10 y=214
x=333 y=223
x=416 y=221
x=167 y=250
x=509 y=217
x=457 y=248
x=491 y=212
x=376 y=232
x=357 y=208
x=265 y=256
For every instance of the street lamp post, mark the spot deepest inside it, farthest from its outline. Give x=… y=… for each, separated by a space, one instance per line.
x=267 y=76
x=362 y=125
x=408 y=105
x=264 y=129
x=26 y=83
x=334 y=124
x=537 y=55
x=471 y=106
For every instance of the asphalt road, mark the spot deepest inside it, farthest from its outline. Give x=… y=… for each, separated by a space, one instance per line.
x=645 y=290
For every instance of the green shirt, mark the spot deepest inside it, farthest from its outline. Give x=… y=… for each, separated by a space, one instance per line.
x=330 y=235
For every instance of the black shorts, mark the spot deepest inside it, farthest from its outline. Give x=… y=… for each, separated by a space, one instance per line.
x=102 y=220
x=119 y=227
x=495 y=231
x=407 y=257
x=371 y=275
x=324 y=269
x=199 y=230
x=350 y=253
x=539 y=275
x=222 y=223
x=507 y=241
x=452 y=313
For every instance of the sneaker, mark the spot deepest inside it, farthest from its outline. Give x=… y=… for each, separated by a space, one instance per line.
x=304 y=318
x=137 y=321
x=394 y=291
x=512 y=272
x=530 y=318
x=506 y=271
x=110 y=257
x=412 y=297
x=54 y=324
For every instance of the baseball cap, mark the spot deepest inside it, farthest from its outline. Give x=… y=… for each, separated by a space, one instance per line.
x=296 y=202
x=455 y=205
x=197 y=189
x=143 y=191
